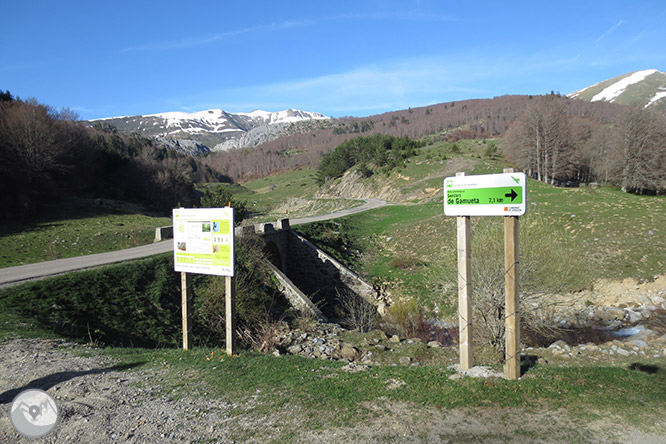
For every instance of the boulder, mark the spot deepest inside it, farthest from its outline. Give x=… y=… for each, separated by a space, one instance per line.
x=405 y=360
x=348 y=352
x=295 y=349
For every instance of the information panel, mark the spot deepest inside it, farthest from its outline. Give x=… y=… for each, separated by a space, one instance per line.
x=485 y=195
x=203 y=240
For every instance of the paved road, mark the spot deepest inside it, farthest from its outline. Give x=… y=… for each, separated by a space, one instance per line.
x=14 y=275
x=368 y=205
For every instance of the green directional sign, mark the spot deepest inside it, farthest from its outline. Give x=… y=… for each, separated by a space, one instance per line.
x=485 y=195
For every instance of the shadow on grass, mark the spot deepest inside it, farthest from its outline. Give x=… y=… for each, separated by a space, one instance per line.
x=527 y=362
x=646 y=368
x=52 y=213
x=46 y=382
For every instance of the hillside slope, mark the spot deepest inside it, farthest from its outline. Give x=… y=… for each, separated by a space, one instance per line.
x=646 y=88
x=451 y=121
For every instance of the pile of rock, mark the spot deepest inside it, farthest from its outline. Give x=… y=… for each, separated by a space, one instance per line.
x=609 y=317
x=327 y=341
x=644 y=344
x=610 y=304
x=321 y=341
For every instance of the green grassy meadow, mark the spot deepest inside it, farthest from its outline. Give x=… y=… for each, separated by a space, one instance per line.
x=573 y=236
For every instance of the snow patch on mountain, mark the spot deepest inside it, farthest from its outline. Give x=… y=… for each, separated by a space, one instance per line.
x=613 y=91
x=214 y=127
x=658 y=96
x=213 y=117
x=286 y=116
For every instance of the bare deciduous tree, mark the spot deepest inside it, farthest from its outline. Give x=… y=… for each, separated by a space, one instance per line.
x=642 y=141
x=30 y=138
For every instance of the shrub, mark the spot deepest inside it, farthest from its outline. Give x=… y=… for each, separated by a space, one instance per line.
x=407 y=318
x=357 y=313
x=382 y=151
x=545 y=266
x=257 y=299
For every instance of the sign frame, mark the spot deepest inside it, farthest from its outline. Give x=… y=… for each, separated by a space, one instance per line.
x=502 y=194
x=203 y=241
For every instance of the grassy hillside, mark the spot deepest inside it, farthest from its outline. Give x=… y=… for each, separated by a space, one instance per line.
x=75 y=228
x=606 y=233
x=289 y=194
x=570 y=237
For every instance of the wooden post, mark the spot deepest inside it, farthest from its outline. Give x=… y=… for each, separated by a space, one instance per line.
x=512 y=323
x=186 y=303
x=464 y=291
x=230 y=312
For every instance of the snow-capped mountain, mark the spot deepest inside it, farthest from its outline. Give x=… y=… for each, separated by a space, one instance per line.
x=646 y=88
x=209 y=129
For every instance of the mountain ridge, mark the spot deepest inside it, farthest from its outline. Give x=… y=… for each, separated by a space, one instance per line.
x=208 y=130
x=646 y=88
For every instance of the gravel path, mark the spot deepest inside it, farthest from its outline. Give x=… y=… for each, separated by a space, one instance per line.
x=98 y=402
x=101 y=403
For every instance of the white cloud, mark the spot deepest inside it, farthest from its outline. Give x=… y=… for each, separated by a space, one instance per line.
x=602 y=36
x=373 y=88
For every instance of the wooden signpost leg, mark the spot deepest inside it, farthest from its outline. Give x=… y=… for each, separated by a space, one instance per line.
x=511 y=291
x=230 y=312
x=186 y=303
x=464 y=291
x=512 y=327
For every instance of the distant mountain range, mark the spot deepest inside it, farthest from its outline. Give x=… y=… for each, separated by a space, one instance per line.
x=215 y=129
x=645 y=88
x=218 y=130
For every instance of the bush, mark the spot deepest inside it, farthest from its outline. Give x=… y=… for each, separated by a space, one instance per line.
x=357 y=313
x=382 y=151
x=257 y=299
x=545 y=267
x=407 y=318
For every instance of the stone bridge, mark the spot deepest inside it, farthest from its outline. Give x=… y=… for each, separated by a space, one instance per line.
x=311 y=279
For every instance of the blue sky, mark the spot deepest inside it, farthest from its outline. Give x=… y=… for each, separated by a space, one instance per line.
x=340 y=58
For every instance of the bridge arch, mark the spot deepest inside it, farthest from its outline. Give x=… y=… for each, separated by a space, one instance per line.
x=273 y=254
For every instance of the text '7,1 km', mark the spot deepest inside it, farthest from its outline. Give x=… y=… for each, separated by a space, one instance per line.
x=485 y=195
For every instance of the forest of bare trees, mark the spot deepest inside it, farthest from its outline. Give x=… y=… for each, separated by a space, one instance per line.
x=46 y=155
x=556 y=146
x=454 y=120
